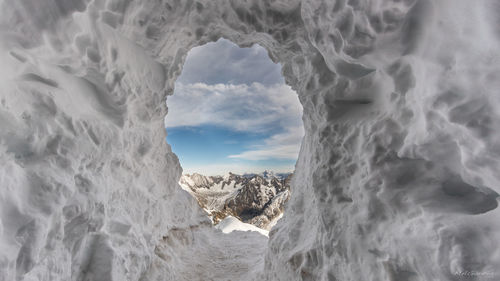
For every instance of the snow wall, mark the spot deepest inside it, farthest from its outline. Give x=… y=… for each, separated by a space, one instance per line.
x=397 y=177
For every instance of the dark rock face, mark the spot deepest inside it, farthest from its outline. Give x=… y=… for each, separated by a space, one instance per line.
x=254 y=199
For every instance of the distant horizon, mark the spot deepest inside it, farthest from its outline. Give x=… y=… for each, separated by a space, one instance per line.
x=240 y=174
x=238 y=117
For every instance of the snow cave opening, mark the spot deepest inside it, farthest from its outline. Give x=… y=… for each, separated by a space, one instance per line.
x=397 y=177
x=236 y=128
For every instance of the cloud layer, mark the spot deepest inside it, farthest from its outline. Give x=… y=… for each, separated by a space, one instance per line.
x=224 y=62
x=242 y=90
x=285 y=145
x=254 y=107
x=274 y=110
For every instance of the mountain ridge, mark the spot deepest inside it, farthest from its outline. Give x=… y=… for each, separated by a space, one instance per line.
x=257 y=199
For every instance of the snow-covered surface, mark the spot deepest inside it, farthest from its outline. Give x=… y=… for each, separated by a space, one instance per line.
x=215 y=194
x=230 y=224
x=397 y=177
x=199 y=253
x=275 y=221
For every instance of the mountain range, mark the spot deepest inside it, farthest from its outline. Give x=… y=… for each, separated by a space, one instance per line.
x=257 y=199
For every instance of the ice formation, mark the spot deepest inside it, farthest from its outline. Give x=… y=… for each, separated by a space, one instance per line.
x=397 y=177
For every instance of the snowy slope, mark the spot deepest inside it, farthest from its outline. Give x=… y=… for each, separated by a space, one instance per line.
x=397 y=177
x=230 y=224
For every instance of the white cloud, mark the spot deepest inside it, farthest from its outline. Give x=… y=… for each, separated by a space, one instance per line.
x=252 y=108
x=253 y=98
x=225 y=62
x=280 y=146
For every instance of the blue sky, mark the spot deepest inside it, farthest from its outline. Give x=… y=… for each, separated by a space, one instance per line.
x=232 y=112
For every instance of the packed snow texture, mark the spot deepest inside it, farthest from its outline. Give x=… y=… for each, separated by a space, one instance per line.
x=397 y=177
x=230 y=224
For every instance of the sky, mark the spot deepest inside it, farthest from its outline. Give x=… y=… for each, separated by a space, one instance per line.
x=231 y=111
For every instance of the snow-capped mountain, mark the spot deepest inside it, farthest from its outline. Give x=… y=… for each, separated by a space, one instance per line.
x=257 y=199
x=268 y=175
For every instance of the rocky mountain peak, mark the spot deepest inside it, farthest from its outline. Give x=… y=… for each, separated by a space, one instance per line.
x=257 y=199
